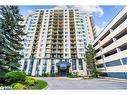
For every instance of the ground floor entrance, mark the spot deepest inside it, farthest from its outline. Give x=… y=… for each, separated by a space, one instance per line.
x=63 y=72
x=63 y=68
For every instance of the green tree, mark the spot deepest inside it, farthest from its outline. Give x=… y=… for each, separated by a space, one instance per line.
x=11 y=37
x=90 y=60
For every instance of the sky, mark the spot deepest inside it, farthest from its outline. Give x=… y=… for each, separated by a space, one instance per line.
x=102 y=15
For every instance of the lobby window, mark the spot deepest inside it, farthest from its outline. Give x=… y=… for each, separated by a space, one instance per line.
x=80 y=64
x=37 y=67
x=52 y=67
x=74 y=64
x=25 y=65
x=44 y=66
x=31 y=66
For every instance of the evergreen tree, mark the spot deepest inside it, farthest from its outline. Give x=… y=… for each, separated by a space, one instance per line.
x=11 y=32
x=90 y=60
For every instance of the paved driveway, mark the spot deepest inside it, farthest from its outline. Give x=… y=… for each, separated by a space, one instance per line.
x=68 y=84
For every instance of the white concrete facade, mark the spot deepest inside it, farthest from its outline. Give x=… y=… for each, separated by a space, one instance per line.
x=111 y=45
x=55 y=35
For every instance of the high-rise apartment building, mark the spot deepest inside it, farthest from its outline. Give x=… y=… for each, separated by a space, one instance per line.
x=56 y=36
x=111 y=47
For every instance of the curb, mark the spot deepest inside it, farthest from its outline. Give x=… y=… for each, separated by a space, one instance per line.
x=45 y=88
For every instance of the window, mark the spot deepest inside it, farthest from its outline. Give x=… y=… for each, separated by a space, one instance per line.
x=66 y=60
x=66 y=49
x=74 y=64
x=31 y=66
x=40 y=49
x=41 y=45
x=65 y=40
x=37 y=67
x=25 y=65
x=81 y=49
x=80 y=64
x=66 y=45
x=124 y=61
x=52 y=67
x=40 y=54
x=66 y=55
x=44 y=66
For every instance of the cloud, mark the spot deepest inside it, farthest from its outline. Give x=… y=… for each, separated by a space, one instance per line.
x=91 y=9
x=98 y=30
x=104 y=23
x=29 y=11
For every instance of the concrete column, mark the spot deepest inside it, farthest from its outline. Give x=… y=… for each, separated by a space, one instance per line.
x=84 y=68
x=34 y=67
x=28 y=65
x=77 y=65
x=48 y=66
x=41 y=67
x=70 y=69
x=110 y=30
x=55 y=67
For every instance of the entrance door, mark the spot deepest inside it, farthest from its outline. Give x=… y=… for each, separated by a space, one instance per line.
x=63 y=68
x=63 y=72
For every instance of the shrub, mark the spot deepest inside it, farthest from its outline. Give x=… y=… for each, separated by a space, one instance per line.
x=45 y=74
x=75 y=74
x=30 y=81
x=15 y=76
x=2 y=77
x=18 y=86
x=52 y=74
x=40 y=84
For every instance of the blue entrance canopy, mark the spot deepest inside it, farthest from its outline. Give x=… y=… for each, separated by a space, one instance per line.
x=63 y=64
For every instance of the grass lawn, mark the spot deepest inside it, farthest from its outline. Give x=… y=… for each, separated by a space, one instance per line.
x=40 y=84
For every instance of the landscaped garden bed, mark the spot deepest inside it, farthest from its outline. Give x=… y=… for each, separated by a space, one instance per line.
x=18 y=80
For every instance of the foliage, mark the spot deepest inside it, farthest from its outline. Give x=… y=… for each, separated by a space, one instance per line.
x=11 y=36
x=45 y=74
x=18 y=86
x=2 y=77
x=40 y=84
x=70 y=75
x=73 y=75
x=52 y=75
x=90 y=60
x=14 y=76
x=30 y=81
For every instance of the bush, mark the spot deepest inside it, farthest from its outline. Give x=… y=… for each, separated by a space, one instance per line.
x=30 y=81
x=2 y=77
x=18 y=86
x=14 y=76
x=45 y=74
x=40 y=84
x=70 y=75
x=73 y=75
